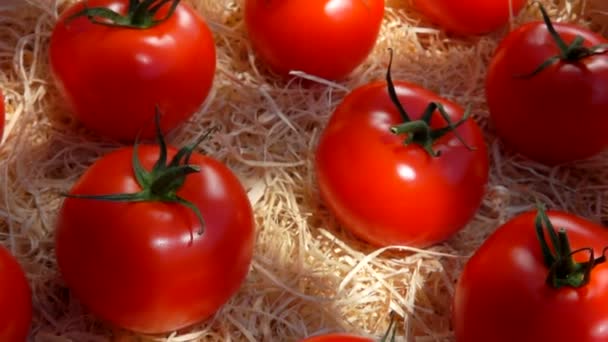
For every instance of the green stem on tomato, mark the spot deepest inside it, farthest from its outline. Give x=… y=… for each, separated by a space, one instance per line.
x=563 y=269
x=569 y=53
x=162 y=183
x=419 y=131
x=391 y=332
x=141 y=14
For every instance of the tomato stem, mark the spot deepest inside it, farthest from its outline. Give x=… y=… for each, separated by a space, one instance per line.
x=563 y=269
x=391 y=332
x=140 y=15
x=391 y=89
x=164 y=180
x=420 y=131
x=569 y=53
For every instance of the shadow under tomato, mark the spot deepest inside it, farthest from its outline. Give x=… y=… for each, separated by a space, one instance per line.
x=371 y=281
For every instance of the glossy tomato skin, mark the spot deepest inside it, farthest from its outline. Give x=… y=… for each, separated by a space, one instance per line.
x=326 y=38
x=337 y=337
x=388 y=193
x=112 y=78
x=135 y=264
x=558 y=115
x=15 y=299
x=501 y=295
x=469 y=17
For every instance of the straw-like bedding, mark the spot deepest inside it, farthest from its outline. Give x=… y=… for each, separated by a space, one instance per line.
x=308 y=276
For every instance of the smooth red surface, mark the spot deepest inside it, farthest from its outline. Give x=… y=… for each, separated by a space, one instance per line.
x=337 y=338
x=113 y=78
x=558 y=115
x=135 y=264
x=501 y=295
x=469 y=17
x=326 y=38
x=388 y=193
x=15 y=299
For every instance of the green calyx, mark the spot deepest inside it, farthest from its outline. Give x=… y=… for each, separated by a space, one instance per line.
x=570 y=53
x=391 y=332
x=419 y=132
x=563 y=269
x=141 y=14
x=162 y=183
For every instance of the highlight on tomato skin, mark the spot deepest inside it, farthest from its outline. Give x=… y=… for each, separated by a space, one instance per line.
x=111 y=78
x=324 y=38
x=469 y=17
x=15 y=299
x=511 y=290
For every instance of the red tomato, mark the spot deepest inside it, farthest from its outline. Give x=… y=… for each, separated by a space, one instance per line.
x=390 y=193
x=15 y=300
x=113 y=77
x=326 y=38
x=337 y=338
x=502 y=294
x=469 y=17
x=567 y=97
x=142 y=265
x=2 y=114
x=344 y=337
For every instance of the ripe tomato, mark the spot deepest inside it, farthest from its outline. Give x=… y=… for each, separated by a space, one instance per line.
x=344 y=337
x=113 y=77
x=503 y=294
x=469 y=17
x=15 y=299
x=337 y=338
x=326 y=38
x=142 y=265
x=387 y=192
x=567 y=97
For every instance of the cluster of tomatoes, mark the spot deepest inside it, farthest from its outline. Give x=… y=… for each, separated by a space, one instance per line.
x=155 y=229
